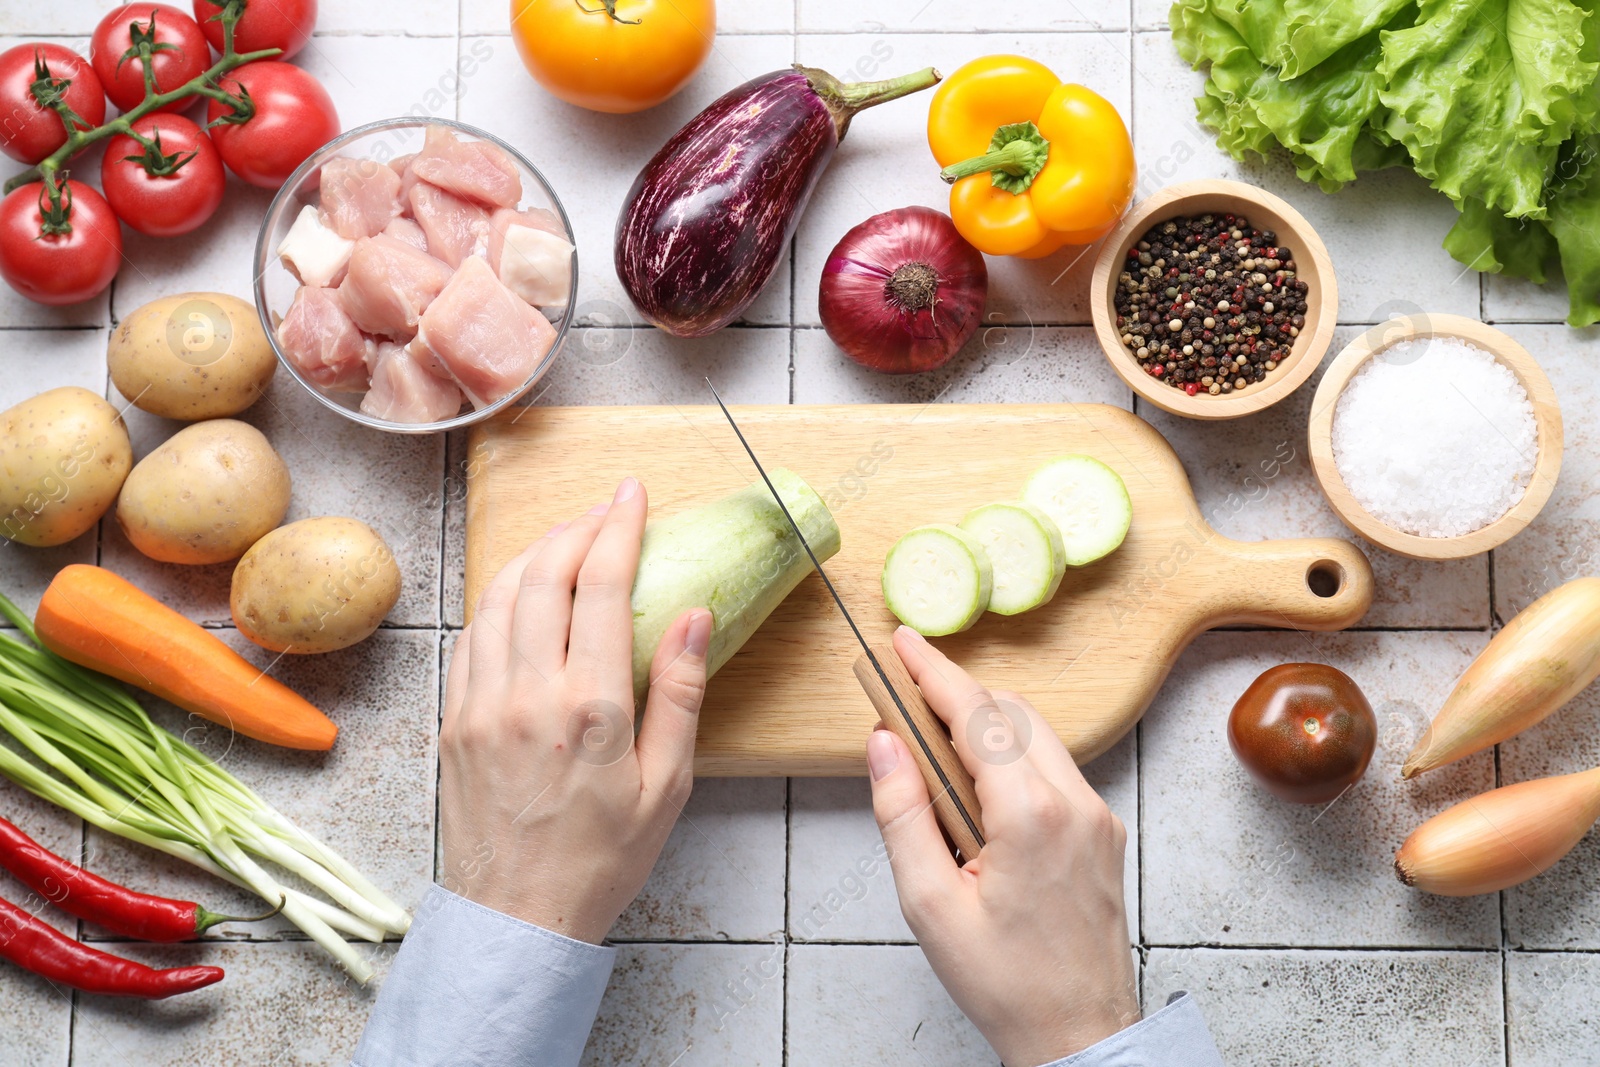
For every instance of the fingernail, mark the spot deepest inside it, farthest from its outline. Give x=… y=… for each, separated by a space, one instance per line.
x=626 y=490
x=912 y=635
x=600 y=509
x=699 y=637
x=882 y=755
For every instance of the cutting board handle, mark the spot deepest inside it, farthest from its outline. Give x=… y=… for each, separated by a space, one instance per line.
x=1311 y=583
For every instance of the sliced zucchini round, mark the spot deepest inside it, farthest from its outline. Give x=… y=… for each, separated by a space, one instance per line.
x=1088 y=502
x=1024 y=547
x=937 y=579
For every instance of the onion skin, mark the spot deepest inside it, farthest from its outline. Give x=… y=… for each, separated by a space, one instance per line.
x=863 y=317
x=1543 y=658
x=1501 y=838
x=709 y=218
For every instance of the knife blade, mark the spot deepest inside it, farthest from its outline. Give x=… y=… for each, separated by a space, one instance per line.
x=900 y=704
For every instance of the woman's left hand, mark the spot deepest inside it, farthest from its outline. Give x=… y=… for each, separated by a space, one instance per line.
x=549 y=810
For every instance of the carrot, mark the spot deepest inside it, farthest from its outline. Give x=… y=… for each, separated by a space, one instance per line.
x=98 y=620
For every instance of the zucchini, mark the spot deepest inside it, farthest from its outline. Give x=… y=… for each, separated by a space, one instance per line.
x=737 y=556
x=1024 y=547
x=1088 y=502
x=937 y=579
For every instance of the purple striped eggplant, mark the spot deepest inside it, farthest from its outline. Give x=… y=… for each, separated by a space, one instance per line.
x=709 y=217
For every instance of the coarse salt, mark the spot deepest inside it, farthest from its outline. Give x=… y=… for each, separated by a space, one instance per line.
x=1435 y=437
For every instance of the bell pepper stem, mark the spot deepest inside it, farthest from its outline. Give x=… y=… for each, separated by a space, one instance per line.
x=844 y=99
x=1016 y=155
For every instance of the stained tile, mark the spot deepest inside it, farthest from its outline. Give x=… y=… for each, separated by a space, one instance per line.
x=874 y=1004
x=1286 y=1007
x=951 y=17
x=1002 y=363
x=1560 y=544
x=1550 y=1007
x=284 y=1003
x=720 y=875
x=691 y=1006
x=1227 y=863
x=39 y=1018
x=884 y=162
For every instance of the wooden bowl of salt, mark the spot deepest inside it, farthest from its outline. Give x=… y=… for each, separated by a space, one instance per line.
x=1417 y=441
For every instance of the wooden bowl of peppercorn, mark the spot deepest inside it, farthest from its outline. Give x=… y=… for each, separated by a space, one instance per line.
x=1214 y=299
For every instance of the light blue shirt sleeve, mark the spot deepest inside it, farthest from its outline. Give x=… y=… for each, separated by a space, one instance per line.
x=1175 y=1036
x=471 y=987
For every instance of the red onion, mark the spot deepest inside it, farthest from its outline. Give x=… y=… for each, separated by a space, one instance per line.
x=903 y=291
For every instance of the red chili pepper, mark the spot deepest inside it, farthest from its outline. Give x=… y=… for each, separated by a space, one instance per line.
x=88 y=896
x=36 y=946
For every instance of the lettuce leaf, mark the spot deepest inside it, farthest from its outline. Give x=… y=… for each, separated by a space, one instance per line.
x=1575 y=224
x=1488 y=240
x=1480 y=93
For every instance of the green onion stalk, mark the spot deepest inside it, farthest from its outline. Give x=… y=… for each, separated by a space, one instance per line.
x=96 y=753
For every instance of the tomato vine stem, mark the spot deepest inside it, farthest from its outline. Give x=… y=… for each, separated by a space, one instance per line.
x=50 y=92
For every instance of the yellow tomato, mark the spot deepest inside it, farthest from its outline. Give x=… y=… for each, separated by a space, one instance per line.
x=618 y=56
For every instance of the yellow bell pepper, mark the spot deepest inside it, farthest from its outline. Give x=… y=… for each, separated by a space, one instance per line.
x=1035 y=163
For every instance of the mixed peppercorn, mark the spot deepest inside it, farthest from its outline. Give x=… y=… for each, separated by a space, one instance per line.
x=1209 y=304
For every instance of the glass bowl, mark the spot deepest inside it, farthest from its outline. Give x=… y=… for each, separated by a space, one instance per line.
x=385 y=140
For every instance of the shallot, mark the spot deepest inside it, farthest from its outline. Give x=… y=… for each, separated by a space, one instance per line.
x=903 y=291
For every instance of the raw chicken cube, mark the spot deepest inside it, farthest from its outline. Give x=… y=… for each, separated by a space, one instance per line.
x=455 y=228
x=532 y=256
x=359 y=196
x=404 y=229
x=323 y=343
x=312 y=252
x=389 y=283
x=488 y=338
x=476 y=170
x=403 y=391
x=401 y=165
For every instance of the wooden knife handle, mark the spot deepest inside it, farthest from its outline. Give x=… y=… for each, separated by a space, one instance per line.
x=962 y=837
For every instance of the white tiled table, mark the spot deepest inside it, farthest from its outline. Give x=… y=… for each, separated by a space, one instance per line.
x=769 y=933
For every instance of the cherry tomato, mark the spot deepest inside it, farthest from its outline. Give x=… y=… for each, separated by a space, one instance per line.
x=185 y=191
x=1304 y=731
x=285 y=24
x=294 y=117
x=619 y=56
x=58 y=268
x=28 y=131
x=179 y=52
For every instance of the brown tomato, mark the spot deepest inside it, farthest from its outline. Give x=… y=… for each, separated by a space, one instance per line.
x=1304 y=731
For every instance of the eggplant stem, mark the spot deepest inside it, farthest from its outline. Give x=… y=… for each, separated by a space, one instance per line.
x=844 y=99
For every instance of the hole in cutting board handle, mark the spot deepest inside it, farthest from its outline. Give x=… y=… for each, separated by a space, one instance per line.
x=1325 y=578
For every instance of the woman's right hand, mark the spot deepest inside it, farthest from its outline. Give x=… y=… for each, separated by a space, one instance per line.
x=1030 y=938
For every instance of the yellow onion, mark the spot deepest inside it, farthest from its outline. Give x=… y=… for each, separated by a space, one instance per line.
x=1543 y=658
x=1501 y=838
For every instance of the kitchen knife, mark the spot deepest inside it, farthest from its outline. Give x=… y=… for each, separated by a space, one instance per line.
x=899 y=703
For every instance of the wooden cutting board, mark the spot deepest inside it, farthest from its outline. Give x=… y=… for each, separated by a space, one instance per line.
x=1091 y=660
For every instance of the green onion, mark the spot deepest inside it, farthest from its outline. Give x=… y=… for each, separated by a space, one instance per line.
x=96 y=753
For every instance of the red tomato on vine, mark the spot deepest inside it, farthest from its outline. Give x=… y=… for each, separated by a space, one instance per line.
x=177 y=49
x=29 y=132
x=293 y=116
x=60 y=252
x=168 y=188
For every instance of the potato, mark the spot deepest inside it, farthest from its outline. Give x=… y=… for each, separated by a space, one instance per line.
x=314 y=586
x=63 y=456
x=192 y=356
x=208 y=493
